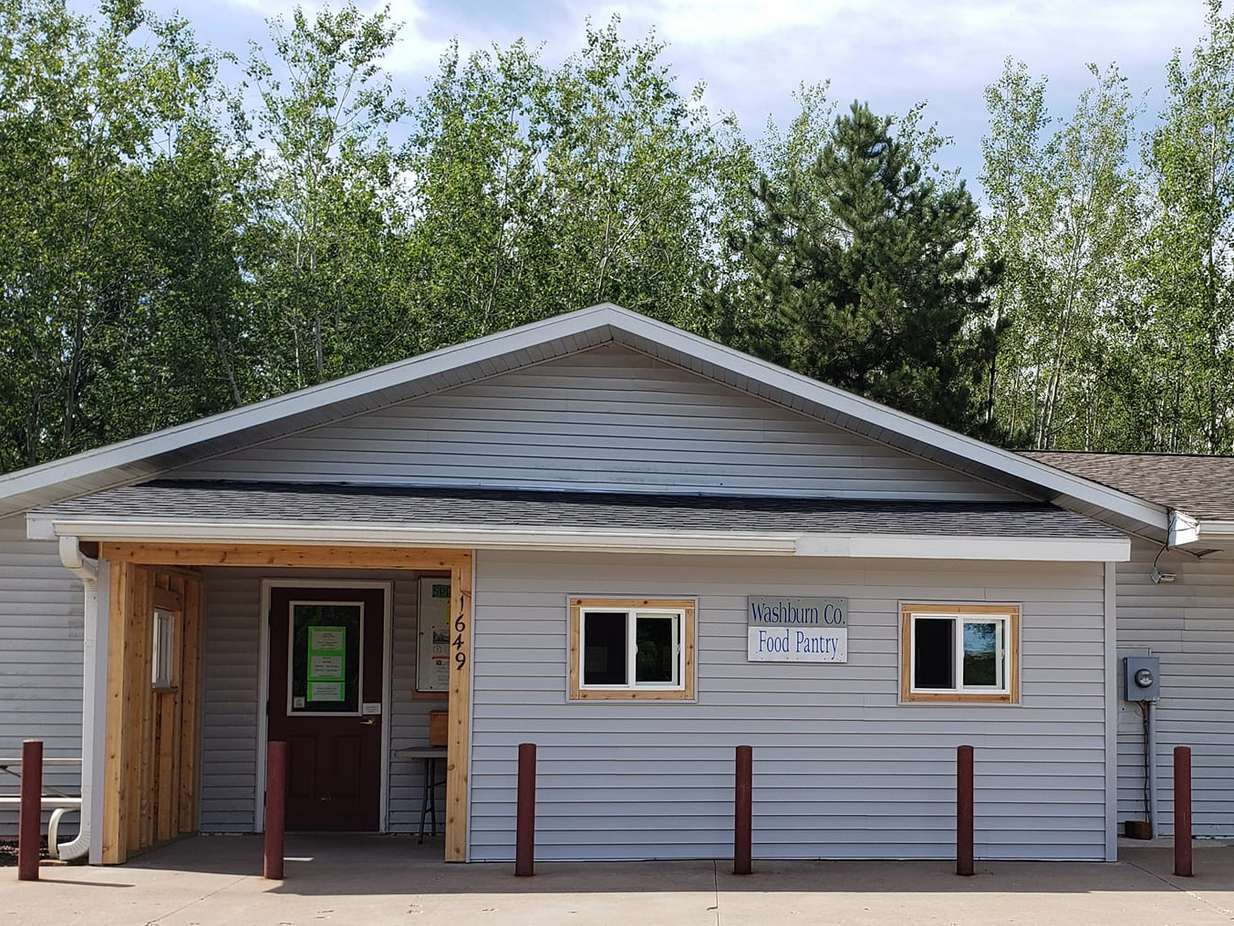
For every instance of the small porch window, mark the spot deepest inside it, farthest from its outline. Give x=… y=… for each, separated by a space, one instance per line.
x=163 y=661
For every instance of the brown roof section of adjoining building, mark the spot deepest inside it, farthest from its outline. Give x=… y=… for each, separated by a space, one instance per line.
x=1197 y=485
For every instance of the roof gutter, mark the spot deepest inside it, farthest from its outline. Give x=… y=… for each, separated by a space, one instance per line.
x=71 y=557
x=1216 y=530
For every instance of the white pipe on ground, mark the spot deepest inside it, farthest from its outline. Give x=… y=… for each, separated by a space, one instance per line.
x=70 y=555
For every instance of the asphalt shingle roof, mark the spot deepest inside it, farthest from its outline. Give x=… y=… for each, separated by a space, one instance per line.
x=169 y=500
x=1201 y=486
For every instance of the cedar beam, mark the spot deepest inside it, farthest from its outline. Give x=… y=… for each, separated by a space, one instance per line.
x=114 y=832
x=298 y=555
x=460 y=710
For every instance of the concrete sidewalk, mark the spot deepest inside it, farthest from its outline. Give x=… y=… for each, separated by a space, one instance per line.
x=382 y=880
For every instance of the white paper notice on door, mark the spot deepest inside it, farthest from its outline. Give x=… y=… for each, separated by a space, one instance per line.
x=325 y=691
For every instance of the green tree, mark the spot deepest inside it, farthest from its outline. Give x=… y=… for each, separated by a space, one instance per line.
x=541 y=190
x=862 y=266
x=1063 y=220
x=103 y=138
x=1178 y=368
x=326 y=198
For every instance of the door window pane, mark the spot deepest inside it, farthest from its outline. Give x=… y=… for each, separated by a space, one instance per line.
x=326 y=641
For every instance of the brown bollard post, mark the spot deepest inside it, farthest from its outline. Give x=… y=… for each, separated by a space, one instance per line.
x=1182 y=811
x=964 y=811
x=525 y=826
x=743 y=801
x=276 y=810
x=30 y=815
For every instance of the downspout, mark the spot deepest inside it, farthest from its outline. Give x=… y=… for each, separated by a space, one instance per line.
x=70 y=555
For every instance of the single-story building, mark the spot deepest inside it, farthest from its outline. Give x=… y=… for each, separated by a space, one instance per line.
x=617 y=540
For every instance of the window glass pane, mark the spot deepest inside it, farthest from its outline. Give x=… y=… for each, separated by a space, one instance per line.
x=325 y=658
x=934 y=652
x=164 y=652
x=982 y=666
x=604 y=648
x=655 y=660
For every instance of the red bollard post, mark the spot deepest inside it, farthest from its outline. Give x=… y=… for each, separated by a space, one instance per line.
x=1182 y=811
x=964 y=811
x=276 y=810
x=743 y=811
x=525 y=827
x=30 y=815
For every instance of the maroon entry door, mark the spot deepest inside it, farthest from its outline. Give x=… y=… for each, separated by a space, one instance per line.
x=325 y=703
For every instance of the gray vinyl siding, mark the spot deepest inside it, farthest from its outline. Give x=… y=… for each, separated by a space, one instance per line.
x=229 y=723
x=1189 y=624
x=41 y=610
x=605 y=419
x=841 y=768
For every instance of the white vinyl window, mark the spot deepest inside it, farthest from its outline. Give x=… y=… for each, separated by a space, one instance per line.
x=622 y=648
x=960 y=653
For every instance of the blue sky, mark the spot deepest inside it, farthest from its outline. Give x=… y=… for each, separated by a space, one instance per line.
x=752 y=54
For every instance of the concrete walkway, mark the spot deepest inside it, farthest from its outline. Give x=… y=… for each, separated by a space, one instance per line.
x=382 y=880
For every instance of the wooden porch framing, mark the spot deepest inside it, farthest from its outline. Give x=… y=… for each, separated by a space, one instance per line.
x=150 y=785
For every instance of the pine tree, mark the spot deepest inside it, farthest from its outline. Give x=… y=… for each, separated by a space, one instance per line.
x=864 y=263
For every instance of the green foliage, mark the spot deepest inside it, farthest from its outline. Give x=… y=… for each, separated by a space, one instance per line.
x=540 y=191
x=103 y=153
x=861 y=264
x=1182 y=397
x=1063 y=218
x=326 y=288
x=175 y=247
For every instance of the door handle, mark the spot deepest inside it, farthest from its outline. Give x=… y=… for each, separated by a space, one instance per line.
x=369 y=722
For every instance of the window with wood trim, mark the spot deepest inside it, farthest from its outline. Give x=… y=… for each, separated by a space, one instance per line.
x=960 y=653
x=622 y=648
x=163 y=649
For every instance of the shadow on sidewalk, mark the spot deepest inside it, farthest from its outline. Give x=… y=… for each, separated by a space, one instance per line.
x=348 y=864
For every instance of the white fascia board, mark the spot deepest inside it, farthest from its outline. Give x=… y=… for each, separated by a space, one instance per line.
x=873 y=546
x=934 y=546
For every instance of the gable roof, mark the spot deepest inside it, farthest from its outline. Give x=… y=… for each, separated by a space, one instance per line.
x=145 y=457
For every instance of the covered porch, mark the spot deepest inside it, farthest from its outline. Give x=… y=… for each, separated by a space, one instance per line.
x=154 y=612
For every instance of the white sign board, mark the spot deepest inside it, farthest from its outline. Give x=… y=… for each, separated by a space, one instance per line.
x=790 y=629
x=797 y=644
